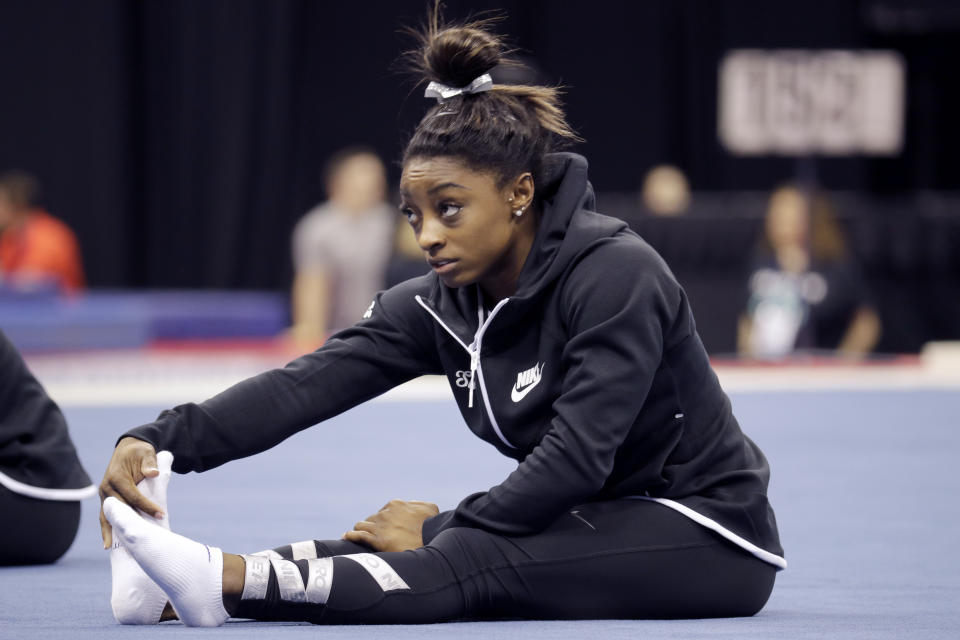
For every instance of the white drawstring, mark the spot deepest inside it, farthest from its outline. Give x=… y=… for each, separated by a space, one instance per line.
x=474 y=361
x=474 y=351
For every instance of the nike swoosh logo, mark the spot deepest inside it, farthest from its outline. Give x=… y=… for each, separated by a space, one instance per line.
x=519 y=394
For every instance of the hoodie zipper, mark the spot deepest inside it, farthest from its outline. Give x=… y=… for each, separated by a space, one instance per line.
x=473 y=349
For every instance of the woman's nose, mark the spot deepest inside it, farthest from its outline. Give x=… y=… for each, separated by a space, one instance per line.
x=431 y=235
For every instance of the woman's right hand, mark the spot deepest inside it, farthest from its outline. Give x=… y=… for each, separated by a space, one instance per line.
x=132 y=461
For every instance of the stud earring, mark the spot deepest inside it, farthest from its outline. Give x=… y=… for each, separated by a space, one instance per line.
x=518 y=212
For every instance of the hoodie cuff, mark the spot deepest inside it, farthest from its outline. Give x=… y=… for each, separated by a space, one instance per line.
x=147 y=433
x=162 y=435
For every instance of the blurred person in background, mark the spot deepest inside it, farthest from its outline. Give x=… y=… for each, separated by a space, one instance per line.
x=666 y=191
x=805 y=290
x=37 y=251
x=41 y=478
x=341 y=247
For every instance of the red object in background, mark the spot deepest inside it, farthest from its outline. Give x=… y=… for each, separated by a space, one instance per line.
x=42 y=249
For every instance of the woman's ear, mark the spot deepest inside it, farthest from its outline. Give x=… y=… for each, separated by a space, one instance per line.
x=521 y=191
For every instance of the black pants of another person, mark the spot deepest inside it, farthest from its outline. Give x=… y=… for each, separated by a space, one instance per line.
x=629 y=559
x=35 y=531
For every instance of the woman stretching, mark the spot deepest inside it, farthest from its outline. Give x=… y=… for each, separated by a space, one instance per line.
x=568 y=345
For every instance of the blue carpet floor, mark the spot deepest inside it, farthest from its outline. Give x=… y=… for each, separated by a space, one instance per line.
x=865 y=486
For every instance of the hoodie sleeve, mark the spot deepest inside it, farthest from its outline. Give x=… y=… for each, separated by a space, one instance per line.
x=388 y=347
x=619 y=304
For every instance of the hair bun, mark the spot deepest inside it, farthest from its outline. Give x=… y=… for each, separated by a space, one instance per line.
x=506 y=130
x=455 y=56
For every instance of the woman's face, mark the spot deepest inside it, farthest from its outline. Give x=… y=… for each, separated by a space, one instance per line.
x=8 y=212
x=787 y=218
x=360 y=183
x=465 y=223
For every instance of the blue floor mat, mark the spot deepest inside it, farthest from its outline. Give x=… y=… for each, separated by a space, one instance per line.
x=865 y=487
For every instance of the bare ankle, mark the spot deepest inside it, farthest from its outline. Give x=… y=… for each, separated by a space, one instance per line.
x=234 y=570
x=168 y=613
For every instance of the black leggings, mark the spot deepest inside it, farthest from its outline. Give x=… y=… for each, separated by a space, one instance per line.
x=35 y=531
x=619 y=559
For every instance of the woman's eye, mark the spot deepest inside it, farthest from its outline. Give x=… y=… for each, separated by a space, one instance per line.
x=449 y=210
x=409 y=214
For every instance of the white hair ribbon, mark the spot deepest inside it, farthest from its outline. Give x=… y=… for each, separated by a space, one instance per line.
x=442 y=92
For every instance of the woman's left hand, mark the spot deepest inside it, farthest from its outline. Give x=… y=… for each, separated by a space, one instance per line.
x=396 y=527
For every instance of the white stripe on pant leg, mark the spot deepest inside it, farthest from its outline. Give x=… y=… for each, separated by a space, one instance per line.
x=289 y=581
x=267 y=553
x=303 y=550
x=319 y=580
x=383 y=573
x=256 y=577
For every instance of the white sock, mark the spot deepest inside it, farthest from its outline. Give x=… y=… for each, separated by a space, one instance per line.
x=134 y=597
x=190 y=573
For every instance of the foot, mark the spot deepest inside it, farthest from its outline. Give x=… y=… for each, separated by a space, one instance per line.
x=190 y=573
x=134 y=597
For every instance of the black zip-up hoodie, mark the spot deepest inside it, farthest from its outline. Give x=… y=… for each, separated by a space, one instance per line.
x=37 y=456
x=592 y=376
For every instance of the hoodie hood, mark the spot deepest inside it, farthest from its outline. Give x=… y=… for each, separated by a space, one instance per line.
x=569 y=223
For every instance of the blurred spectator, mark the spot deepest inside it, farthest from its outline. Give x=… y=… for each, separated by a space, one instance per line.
x=666 y=191
x=41 y=478
x=805 y=291
x=36 y=250
x=341 y=247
